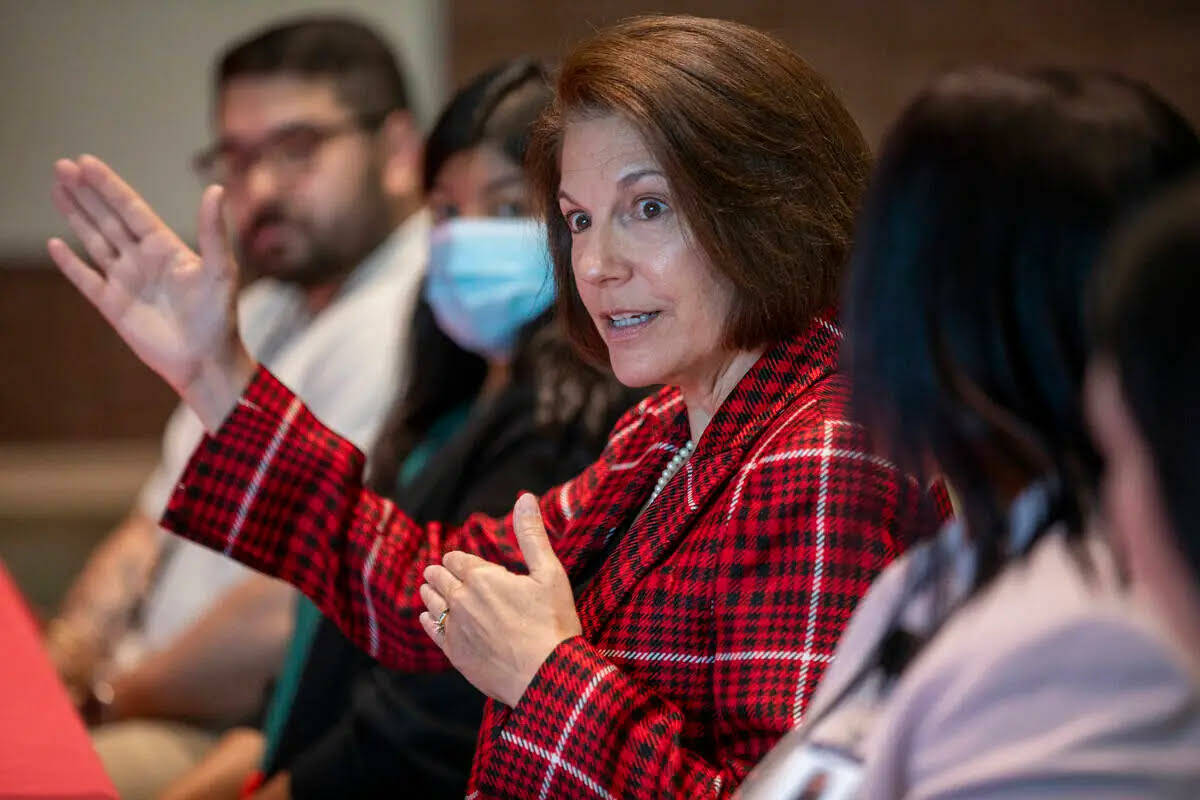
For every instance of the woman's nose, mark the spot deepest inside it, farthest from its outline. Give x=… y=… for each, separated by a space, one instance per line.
x=598 y=258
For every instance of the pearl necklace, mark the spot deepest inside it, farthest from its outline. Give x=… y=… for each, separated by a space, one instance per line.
x=673 y=466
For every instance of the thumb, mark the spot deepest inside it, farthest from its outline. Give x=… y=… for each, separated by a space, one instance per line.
x=215 y=250
x=531 y=536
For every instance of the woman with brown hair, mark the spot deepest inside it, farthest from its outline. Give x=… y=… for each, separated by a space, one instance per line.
x=653 y=626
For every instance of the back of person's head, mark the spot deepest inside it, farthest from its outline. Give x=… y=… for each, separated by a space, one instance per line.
x=765 y=163
x=965 y=342
x=1144 y=326
x=362 y=67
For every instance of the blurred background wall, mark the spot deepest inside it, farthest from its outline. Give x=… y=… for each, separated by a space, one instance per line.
x=128 y=80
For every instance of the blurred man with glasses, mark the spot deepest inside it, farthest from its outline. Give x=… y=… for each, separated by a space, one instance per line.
x=163 y=643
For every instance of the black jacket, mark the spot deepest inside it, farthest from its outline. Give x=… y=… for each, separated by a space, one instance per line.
x=358 y=730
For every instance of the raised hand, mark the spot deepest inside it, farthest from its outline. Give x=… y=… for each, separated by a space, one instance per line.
x=175 y=308
x=501 y=626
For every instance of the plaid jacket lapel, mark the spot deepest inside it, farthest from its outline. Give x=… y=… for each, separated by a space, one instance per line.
x=775 y=383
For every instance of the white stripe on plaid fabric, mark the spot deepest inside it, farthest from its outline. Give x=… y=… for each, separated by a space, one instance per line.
x=834 y=329
x=691 y=498
x=637 y=423
x=737 y=655
x=624 y=465
x=368 y=568
x=563 y=505
x=818 y=572
x=556 y=758
x=674 y=401
x=256 y=480
x=815 y=452
x=752 y=464
x=621 y=434
x=570 y=768
x=779 y=655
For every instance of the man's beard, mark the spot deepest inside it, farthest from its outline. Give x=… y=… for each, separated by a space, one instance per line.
x=302 y=260
x=312 y=256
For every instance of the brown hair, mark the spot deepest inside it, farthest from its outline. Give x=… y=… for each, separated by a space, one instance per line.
x=766 y=163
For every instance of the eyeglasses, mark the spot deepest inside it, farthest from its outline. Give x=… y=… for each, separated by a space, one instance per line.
x=289 y=151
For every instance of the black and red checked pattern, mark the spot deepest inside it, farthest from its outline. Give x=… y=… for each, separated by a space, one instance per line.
x=704 y=632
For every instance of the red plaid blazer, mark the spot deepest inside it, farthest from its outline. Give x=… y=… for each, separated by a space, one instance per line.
x=705 y=630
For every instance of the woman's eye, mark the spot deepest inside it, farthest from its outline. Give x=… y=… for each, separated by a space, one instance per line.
x=507 y=210
x=578 y=221
x=649 y=208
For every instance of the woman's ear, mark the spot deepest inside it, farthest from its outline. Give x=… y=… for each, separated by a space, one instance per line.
x=400 y=149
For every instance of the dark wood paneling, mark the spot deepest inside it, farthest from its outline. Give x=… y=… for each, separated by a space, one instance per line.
x=878 y=52
x=63 y=373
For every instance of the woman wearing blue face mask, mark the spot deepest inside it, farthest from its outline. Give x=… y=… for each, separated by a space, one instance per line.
x=356 y=729
x=499 y=405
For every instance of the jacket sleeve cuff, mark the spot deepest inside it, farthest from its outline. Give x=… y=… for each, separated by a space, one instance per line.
x=569 y=705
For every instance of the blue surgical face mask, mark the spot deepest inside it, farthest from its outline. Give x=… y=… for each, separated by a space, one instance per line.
x=488 y=278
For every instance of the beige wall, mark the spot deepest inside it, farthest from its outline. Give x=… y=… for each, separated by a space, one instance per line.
x=129 y=81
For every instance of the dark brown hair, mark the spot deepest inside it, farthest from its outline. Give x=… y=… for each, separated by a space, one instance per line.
x=965 y=338
x=365 y=71
x=766 y=163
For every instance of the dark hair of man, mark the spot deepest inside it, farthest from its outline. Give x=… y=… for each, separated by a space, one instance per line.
x=1144 y=321
x=764 y=161
x=964 y=336
x=364 y=70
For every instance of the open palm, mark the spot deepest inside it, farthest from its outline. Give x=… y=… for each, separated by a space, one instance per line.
x=175 y=308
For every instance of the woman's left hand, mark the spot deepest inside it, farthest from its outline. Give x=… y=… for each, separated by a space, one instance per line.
x=502 y=626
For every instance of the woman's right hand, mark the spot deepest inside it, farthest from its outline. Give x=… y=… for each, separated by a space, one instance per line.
x=174 y=308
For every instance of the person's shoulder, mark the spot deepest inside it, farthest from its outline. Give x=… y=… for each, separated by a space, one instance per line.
x=1052 y=665
x=1054 y=634
x=816 y=426
x=1060 y=583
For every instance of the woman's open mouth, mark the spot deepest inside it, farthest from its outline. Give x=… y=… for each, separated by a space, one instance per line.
x=630 y=320
x=627 y=324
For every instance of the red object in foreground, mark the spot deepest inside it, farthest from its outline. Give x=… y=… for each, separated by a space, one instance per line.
x=44 y=748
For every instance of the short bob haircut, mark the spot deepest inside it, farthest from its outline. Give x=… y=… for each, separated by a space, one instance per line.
x=765 y=162
x=986 y=216
x=1144 y=323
